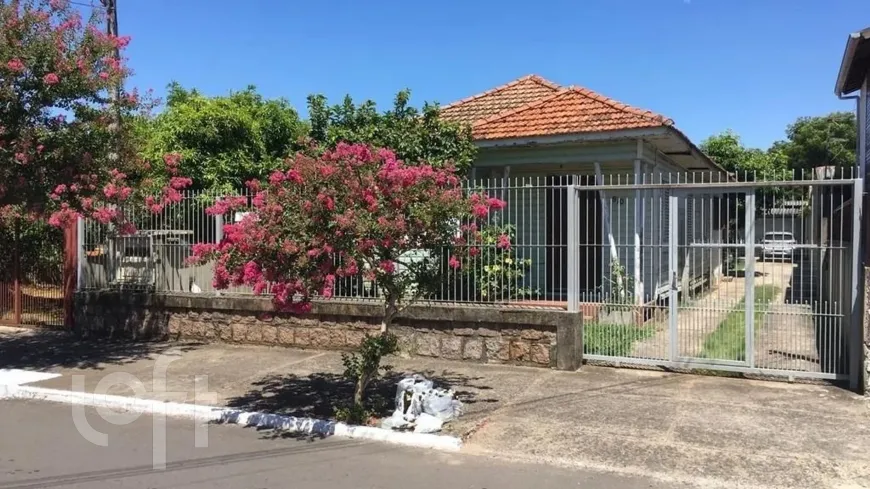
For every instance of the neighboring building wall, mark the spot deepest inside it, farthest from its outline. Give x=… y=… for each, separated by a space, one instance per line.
x=865 y=93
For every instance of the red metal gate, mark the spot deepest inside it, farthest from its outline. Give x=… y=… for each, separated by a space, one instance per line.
x=32 y=260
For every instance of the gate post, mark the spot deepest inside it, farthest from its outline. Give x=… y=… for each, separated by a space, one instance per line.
x=16 y=275
x=855 y=322
x=573 y=243
x=749 y=273
x=70 y=272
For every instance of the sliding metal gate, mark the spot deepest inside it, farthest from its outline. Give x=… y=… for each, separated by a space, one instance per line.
x=754 y=277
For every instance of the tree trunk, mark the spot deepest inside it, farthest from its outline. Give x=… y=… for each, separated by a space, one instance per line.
x=390 y=309
x=360 y=392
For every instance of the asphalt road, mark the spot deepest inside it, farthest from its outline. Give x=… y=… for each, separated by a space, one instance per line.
x=41 y=447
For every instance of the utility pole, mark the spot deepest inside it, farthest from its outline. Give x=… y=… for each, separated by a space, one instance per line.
x=111 y=7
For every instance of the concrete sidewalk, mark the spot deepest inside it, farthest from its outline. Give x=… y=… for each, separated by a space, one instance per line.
x=708 y=431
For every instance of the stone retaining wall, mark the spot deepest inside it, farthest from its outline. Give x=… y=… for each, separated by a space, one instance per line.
x=539 y=338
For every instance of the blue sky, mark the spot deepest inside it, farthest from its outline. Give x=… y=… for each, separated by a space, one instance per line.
x=749 y=65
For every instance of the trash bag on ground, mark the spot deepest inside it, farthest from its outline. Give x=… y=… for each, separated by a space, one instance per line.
x=426 y=423
x=442 y=404
x=422 y=406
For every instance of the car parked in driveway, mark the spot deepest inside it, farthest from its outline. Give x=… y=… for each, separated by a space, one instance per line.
x=778 y=245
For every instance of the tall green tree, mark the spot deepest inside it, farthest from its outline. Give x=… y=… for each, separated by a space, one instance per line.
x=415 y=135
x=224 y=141
x=728 y=151
x=828 y=140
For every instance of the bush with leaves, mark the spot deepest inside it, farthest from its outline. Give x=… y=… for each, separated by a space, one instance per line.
x=492 y=271
x=362 y=367
x=355 y=209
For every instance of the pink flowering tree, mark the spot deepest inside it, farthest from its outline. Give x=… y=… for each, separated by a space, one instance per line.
x=65 y=149
x=353 y=210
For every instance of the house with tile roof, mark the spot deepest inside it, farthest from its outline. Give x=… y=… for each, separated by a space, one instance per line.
x=532 y=130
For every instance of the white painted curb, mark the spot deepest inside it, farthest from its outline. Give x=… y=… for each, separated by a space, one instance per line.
x=201 y=412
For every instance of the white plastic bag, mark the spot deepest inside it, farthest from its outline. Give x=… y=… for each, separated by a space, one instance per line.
x=409 y=396
x=426 y=423
x=421 y=406
x=442 y=404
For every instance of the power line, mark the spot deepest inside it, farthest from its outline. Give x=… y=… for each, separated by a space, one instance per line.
x=83 y=4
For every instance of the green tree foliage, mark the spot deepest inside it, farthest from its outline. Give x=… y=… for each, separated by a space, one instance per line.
x=728 y=151
x=224 y=141
x=828 y=140
x=415 y=135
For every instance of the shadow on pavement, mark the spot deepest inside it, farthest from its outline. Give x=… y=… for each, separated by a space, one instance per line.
x=319 y=394
x=43 y=349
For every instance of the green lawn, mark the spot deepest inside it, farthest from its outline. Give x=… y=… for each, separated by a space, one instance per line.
x=728 y=341
x=613 y=339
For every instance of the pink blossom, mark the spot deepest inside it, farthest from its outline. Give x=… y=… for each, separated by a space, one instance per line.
x=171 y=159
x=496 y=204
x=222 y=206
x=504 y=242
x=105 y=215
x=454 y=262
x=294 y=176
x=121 y=42
x=260 y=287
x=63 y=217
x=21 y=158
x=127 y=228
x=480 y=210
x=252 y=273
x=51 y=79
x=104 y=76
x=388 y=266
x=110 y=191
x=15 y=65
x=60 y=189
x=179 y=183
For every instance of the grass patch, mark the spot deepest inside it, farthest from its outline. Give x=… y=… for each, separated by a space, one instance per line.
x=613 y=339
x=728 y=341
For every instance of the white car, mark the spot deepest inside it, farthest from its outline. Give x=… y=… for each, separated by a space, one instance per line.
x=778 y=245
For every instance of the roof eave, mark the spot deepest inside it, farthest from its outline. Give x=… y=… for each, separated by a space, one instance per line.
x=584 y=137
x=855 y=40
x=624 y=134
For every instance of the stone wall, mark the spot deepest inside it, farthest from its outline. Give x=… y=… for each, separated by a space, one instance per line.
x=866 y=331
x=538 y=338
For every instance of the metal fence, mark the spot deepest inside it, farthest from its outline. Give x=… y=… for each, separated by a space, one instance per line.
x=31 y=273
x=678 y=270
x=754 y=276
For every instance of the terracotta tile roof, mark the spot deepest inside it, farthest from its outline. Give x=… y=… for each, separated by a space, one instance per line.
x=506 y=97
x=532 y=106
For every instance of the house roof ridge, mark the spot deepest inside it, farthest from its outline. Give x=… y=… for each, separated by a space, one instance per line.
x=667 y=121
x=533 y=77
x=531 y=105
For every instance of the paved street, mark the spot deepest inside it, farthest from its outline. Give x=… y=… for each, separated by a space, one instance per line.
x=40 y=447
